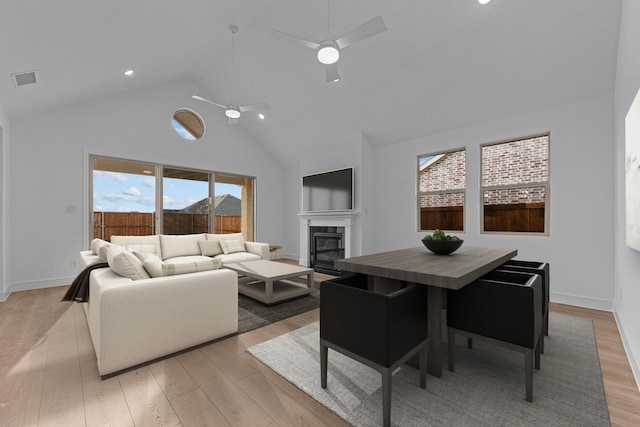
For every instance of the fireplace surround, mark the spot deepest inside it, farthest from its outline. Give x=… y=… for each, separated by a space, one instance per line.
x=345 y=221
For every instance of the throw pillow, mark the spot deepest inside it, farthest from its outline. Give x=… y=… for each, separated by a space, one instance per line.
x=95 y=245
x=232 y=246
x=218 y=237
x=102 y=251
x=153 y=265
x=210 y=247
x=126 y=264
x=190 y=267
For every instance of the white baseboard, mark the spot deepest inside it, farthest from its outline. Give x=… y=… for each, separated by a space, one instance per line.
x=40 y=284
x=580 y=301
x=4 y=296
x=634 y=359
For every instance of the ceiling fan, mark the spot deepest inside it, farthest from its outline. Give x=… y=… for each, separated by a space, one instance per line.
x=233 y=111
x=328 y=50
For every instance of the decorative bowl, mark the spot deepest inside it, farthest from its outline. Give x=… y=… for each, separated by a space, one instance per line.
x=442 y=247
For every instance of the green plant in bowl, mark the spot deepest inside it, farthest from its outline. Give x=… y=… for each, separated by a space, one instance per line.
x=441 y=243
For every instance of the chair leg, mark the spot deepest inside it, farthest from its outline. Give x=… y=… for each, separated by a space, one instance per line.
x=542 y=338
x=324 y=353
x=546 y=324
x=386 y=397
x=451 y=347
x=422 y=356
x=538 y=350
x=469 y=343
x=528 y=374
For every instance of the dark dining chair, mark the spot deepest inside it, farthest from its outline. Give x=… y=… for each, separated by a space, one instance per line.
x=507 y=313
x=379 y=330
x=535 y=267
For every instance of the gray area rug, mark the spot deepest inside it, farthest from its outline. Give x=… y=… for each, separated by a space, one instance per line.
x=253 y=314
x=486 y=389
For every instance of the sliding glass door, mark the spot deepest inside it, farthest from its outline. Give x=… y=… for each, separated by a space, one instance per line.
x=123 y=198
x=186 y=201
x=234 y=205
x=138 y=198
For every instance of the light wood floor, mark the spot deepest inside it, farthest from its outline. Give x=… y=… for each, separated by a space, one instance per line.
x=48 y=375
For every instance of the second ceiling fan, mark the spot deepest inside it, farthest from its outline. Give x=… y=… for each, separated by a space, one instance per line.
x=328 y=50
x=233 y=111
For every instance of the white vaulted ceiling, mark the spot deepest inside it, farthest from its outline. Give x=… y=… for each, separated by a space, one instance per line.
x=442 y=64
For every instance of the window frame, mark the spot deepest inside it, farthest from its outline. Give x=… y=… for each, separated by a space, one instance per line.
x=546 y=185
x=463 y=191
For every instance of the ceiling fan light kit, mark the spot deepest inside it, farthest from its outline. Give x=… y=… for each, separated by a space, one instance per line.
x=328 y=52
x=232 y=112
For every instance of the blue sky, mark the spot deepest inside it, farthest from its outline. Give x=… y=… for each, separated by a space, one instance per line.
x=121 y=192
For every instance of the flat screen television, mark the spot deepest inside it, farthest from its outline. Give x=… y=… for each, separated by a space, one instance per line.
x=328 y=191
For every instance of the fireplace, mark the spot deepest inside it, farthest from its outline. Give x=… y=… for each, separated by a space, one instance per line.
x=326 y=244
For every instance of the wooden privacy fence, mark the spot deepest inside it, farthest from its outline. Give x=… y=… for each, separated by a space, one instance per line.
x=520 y=217
x=523 y=217
x=443 y=218
x=107 y=224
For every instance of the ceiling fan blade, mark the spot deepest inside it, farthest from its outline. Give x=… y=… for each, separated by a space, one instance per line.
x=199 y=98
x=331 y=73
x=254 y=107
x=293 y=39
x=369 y=29
x=233 y=121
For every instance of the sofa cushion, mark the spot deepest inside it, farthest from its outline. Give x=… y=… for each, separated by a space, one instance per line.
x=210 y=247
x=125 y=264
x=237 y=257
x=230 y=246
x=141 y=249
x=153 y=265
x=125 y=241
x=184 y=266
x=180 y=245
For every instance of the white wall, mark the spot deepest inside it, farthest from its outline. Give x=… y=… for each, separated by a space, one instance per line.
x=627 y=261
x=580 y=246
x=4 y=182
x=49 y=171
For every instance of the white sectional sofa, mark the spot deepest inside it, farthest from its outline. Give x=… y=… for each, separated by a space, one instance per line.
x=161 y=295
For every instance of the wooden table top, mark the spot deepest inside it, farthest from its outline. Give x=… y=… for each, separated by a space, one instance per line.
x=419 y=265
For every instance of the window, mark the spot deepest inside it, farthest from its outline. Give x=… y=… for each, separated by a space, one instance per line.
x=515 y=186
x=126 y=197
x=441 y=187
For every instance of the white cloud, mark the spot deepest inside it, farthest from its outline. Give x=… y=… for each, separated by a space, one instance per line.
x=149 y=182
x=132 y=191
x=115 y=176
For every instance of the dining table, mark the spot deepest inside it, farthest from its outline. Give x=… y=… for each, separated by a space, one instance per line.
x=387 y=271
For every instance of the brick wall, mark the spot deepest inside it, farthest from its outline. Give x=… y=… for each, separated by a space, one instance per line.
x=516 y=162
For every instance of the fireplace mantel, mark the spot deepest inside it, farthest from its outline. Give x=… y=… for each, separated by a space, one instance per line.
x=325 y=219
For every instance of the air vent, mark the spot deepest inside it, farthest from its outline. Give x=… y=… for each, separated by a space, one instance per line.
x=24 y=78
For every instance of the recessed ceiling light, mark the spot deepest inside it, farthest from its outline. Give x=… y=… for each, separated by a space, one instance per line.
x=129 y=73
x=261 y=116
x=483 y=1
